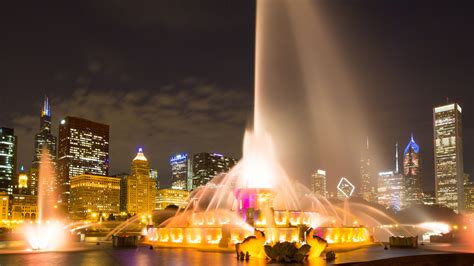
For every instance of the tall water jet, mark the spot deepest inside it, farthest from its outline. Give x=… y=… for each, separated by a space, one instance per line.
x=48 y=231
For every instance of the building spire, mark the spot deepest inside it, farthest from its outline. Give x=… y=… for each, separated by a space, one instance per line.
x=46 y=110
x=396 y=157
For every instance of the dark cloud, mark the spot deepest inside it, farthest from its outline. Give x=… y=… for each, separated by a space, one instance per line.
x=183 y=117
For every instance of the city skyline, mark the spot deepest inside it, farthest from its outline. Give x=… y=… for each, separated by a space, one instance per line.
x=106 y=77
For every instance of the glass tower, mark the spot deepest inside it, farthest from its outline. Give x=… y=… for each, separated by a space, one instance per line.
x=8 y=147
x=318 y=183
x=448 y=156
x=180 y=168
x=208 y=165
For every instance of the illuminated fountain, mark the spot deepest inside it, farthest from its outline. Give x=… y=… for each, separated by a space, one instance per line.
x=257 y=197
x=48 y=232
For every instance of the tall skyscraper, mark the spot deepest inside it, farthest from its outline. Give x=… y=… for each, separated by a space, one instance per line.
x=448 y=156
x=412 y=174
x=208 y=165
x=44 y=139
x=181 y=172
x=141 y=188
x=8 y=155
x=83 y=147
x=319 y=183
x=365 y=190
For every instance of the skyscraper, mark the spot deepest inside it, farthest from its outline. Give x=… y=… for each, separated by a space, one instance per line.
x=141 y=188
x=365 y=188
x=181 y=171
x=448 y=156
x=391 y=187
x=390 y=190
x=44 y=139
x=208 y=165
x=83 y=147
x=318 y=183
x=412 y=174
x=8 y=155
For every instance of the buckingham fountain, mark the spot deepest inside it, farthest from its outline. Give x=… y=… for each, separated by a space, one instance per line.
x=252 y=209
x=257 y=203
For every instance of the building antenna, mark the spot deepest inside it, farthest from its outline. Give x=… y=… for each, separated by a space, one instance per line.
x=396 y=157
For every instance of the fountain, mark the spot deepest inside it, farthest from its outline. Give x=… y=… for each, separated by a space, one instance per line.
x=48 y=232
x=257 y=203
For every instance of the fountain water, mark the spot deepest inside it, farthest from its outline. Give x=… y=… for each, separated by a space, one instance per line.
x=48 y=232
x=257 y=193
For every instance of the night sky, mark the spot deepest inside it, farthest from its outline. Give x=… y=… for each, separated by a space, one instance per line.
x=177 y=75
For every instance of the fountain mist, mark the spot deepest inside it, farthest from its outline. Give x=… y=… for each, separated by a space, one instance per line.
x=48 y=231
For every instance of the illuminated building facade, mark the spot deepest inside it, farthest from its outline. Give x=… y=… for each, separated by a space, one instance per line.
x=448 y=156
x=365 y=184
x=181 y=172
x=83 y=147
x=391 y=190
x=429 y=198
x=154 y=176
x=93 y=195
x=412 y=174
x=208 y=165
x=166 y=197
x=319 y=183
x=24 y=207
x=4 y=205
x=468 y=195
x=23 y=184
x=8 y=153
x=141 y=188
x=44 y=139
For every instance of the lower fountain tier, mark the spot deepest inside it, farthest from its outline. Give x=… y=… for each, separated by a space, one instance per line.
x=226 y=235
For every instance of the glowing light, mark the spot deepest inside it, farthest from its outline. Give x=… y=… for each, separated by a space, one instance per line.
x=45 y=236
x=344 y=183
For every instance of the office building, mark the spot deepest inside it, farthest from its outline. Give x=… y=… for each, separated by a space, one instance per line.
x=319 y=183
x=448 y=156
x=44 y=140
x=412 y=174
x=141 y=188
x=154 y=176
x=166 y=197
x=429 y=198
x=205 y=166
x=93 y=196
x=181 y=172
x=4 y=206
x=391 y=190
x=468 y=195
x=24 y=207
x=8 y=157
x=23 y=185
x=83 y=147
